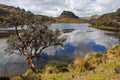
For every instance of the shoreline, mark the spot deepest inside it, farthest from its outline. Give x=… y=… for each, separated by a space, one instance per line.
x=106 y=28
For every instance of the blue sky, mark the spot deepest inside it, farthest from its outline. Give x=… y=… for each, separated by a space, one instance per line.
x=55 y=7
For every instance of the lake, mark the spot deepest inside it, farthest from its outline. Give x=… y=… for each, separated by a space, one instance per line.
x=85 y=38
x=79 y=42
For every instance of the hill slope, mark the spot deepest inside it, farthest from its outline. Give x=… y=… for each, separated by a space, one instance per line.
x=10 y=15
x=110 y=20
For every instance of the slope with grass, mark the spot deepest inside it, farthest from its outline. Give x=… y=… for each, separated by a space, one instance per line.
x=95 y=66
x=108 y=21
x=10 y=15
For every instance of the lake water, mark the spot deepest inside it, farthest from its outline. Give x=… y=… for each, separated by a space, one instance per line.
x=84 y=38
x=78 y=42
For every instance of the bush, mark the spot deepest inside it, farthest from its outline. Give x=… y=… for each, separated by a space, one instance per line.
x=56 y=66
x=98 y=55
x=79 y=63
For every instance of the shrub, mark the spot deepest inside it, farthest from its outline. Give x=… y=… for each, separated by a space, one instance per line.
x=56 y=66
x=79 y=63
x=99 y=57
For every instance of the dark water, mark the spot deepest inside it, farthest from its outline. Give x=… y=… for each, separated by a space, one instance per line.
x=85 y=38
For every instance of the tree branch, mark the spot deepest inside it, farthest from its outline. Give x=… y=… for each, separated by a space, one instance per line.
x=37 y=54
x=17 y=33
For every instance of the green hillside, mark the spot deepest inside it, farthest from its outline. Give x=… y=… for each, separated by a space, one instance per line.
x=110 y=21
x=10 y=15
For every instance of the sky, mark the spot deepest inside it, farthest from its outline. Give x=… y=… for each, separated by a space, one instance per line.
x=54 y=7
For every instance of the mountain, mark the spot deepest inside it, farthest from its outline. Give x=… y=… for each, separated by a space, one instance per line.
x=91 y=18
x=109 y=20
x=68 y=14
x=94 y=17
x=10 y=16
x=69 y=17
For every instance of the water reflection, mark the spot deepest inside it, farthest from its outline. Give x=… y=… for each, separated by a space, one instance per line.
x=84 y=38
x=80 y=41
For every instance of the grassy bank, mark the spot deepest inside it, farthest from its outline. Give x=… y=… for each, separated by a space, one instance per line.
x=99 y=66
x=70 y=20
x=107 y=28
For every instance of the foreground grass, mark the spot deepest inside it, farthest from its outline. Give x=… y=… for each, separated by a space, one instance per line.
x=101 y=71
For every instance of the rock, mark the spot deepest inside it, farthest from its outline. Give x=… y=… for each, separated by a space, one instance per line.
x=117 y=70
x=68 y=14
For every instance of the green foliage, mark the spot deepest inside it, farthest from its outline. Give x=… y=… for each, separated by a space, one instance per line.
x=28 y=72
x=89 y=56
x=57 y=63
x=32 y=41
x=37 y=36
x=56 y=66
x=98 y=55
x=11 y=44
x=100 y=72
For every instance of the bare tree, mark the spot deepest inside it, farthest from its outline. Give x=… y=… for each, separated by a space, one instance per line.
x=31 y=42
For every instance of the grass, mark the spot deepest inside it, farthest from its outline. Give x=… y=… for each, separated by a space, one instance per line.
x=108 y=28
x=70 y=20
x=102 y=71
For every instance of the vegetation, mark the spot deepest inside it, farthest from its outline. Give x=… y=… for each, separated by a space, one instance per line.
x=31 y=41
x=55 y=67
x=70 y=20
x=82 y=68
x=9 y=14
x=69 y=17
x=109 y=21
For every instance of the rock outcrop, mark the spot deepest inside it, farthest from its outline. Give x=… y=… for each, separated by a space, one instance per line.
x=68 y=14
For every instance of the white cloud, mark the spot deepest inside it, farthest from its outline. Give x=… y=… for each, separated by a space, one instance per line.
x=103 y=6
x=55 y=7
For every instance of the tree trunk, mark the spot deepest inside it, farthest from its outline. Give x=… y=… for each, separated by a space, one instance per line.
x=30 y=64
